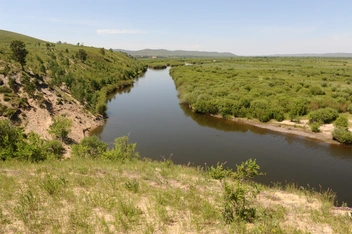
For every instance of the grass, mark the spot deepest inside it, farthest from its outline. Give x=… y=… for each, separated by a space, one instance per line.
x=144 y=196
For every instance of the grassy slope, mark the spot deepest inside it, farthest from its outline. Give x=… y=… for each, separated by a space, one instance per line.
x=95 y=196
x=89 y=81
x=6 y=37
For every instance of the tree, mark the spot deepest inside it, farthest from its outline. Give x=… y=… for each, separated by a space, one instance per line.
x=60 y=127
x=19 y=52
x=82 y=55
x=102 y=51
x=10 y=136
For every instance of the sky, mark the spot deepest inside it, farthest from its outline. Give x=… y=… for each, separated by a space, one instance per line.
x=242 y=27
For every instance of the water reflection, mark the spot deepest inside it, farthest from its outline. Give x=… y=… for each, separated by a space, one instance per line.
x=212 y=122
x=338 y=151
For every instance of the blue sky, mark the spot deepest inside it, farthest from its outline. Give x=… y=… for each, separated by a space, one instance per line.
x=252 y=27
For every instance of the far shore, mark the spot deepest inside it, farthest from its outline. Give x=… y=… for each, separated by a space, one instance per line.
x=289 y=127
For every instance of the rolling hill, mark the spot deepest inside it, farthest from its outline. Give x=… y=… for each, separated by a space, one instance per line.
x=58 y=80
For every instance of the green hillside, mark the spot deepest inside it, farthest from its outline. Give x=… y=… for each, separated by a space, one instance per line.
x=6 y=37
x=88 y=73
x=176 y=53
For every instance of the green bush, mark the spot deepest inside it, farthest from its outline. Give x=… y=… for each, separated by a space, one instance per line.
x=90 y=147
x=13 y=145
x=238 y=198
x=12 y=83
x=81 y=55
x=10 y=137
x=247 y=170
x=260 y=110
x=123 y=150
x=341 y=122
x=54 y=148
x=316 y=90
x=323 y=116
x=298 y=108
x=60 y=127
x=32 y=150
x=219 y=172
x=315 y=127
x=342 y=135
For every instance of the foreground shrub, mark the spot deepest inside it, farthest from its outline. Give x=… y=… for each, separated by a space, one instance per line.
x=10 y=136
x=219 y=172
x=90 y=147
x=32 y=150
x=54 y=148
x=14 y=145
x=123 y=150
x=238 y=198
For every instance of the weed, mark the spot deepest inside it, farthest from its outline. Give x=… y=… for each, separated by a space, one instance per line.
x=132 y=185
x=52 y=185
x=219 y=172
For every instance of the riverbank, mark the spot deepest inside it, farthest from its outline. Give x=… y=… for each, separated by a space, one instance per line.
x=288 y=127
x=144 y=196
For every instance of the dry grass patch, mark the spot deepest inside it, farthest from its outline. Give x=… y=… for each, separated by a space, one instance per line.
x=96 y=196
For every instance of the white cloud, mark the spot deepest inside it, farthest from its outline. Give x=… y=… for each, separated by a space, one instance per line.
x=118 y=31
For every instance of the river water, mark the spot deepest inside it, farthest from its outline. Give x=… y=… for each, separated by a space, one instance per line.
x=150 y=113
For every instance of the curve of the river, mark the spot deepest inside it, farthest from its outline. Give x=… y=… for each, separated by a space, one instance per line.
x=150 y=113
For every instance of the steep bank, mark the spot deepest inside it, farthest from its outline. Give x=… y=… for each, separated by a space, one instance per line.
x=60 y=79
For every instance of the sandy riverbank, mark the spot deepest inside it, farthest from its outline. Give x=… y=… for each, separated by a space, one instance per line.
x=289 y=127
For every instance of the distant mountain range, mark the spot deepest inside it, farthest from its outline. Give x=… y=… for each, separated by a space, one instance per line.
x=162 y=53
x=175 y=53
x=332 y=55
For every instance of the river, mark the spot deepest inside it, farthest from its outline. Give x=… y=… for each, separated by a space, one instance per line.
x=150 y=113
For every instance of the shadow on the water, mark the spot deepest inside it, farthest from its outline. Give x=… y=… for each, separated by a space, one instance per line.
x=336 y=151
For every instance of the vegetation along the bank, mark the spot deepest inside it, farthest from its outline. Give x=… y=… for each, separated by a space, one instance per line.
x=316 y=89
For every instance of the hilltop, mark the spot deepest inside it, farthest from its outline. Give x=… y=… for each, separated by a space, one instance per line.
x=60 y=79
x=161 y=53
